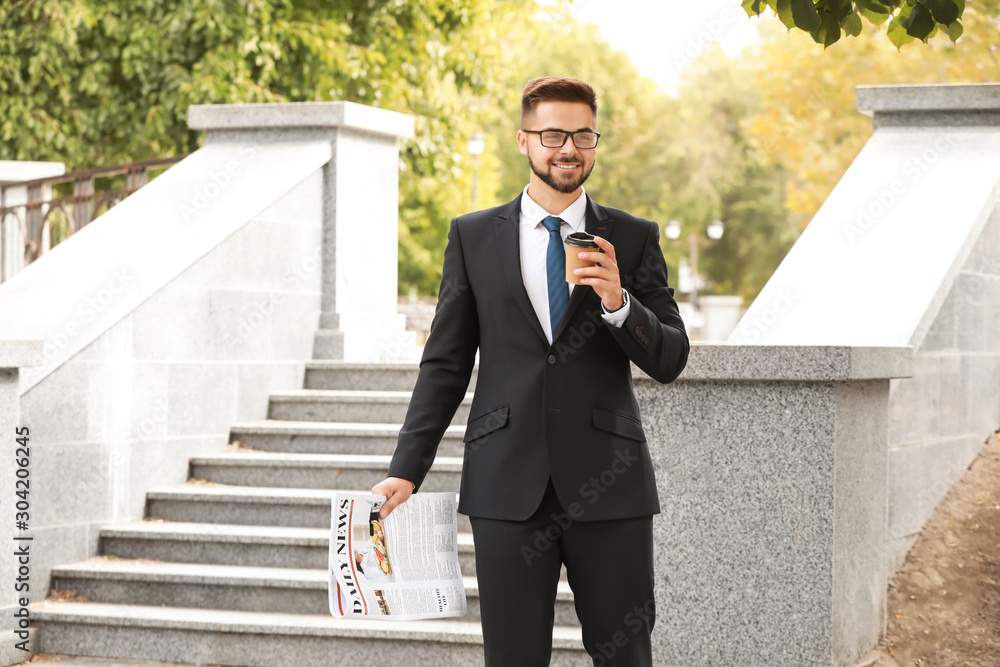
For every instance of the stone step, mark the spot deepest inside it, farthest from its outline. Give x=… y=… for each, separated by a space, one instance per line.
x=240 y=588
x=388 y=376
x=346 y=405
x=197 y=502
x=314 y=471
x=309 y=437
x=90 y=661
x=261 y=639
x=230 y=544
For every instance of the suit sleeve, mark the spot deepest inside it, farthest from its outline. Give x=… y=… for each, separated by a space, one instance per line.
x=653 y=335
x=445 y=368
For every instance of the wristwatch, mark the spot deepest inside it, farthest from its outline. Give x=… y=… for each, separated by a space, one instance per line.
x=624 y=301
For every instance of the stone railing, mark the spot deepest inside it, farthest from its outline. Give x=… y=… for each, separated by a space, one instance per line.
x=22 y=580
x=771 y=466
x=178 y=312
x=29 y=212
x=906 y=251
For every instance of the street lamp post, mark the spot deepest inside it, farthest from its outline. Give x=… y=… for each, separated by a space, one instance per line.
x=476 y=145
x=714 y=232
x=693 y=263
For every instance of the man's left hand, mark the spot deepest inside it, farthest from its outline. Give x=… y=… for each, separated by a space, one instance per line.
x=604 y=278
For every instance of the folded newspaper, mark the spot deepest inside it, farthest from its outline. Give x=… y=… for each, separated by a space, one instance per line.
x=400 y=568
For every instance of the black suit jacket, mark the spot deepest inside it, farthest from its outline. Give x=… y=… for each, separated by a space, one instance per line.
x=567 y=409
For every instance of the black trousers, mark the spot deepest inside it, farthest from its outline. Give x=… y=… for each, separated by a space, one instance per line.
x=609 y=565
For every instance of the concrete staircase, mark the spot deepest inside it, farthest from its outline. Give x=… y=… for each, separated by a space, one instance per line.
x=230 y=568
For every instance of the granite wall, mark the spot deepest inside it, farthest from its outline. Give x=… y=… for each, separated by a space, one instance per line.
x=168 y=380
x=771 y=470
x=906 y=252
x=178 y=312
x=940 y=418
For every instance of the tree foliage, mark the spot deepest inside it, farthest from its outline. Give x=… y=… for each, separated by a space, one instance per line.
x=757 y=141
x=723 y=176
x=825 y=20
x=96 y=82
x=807 y=121
x=663 y=158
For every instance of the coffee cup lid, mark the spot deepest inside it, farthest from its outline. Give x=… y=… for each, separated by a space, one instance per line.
x=581 y=240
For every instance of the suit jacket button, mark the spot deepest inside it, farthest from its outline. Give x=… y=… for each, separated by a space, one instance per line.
x=551 y=359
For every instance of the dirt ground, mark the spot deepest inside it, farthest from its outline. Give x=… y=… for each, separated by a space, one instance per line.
x=944 y=602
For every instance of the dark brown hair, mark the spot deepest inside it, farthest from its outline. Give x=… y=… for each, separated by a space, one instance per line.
x=556 y=89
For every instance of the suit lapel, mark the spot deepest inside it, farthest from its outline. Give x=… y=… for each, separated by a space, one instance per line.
x=597 y=223
x=507 y=229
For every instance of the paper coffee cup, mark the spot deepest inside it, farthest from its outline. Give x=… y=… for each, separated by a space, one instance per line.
x=576 y=243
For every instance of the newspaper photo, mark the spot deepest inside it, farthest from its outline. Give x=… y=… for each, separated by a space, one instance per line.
x=400 y=568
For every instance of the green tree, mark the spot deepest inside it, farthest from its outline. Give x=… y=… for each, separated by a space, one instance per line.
x=907 y=20
x=807 y=121
x=663 y=158
x=92 y=82
x=723 y=176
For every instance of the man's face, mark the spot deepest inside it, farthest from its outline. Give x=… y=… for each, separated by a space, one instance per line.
x=562 y=169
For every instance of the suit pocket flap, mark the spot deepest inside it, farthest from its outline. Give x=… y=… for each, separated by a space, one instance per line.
x=619 y=424
x=487 y=423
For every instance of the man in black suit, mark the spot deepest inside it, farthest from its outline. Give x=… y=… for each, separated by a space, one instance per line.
x=556 y=468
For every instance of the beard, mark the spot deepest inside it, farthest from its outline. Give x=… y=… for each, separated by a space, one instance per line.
x=559 y=185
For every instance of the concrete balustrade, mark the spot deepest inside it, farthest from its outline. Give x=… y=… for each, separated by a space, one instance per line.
x=906 y=251
x=15 y=355
x=771 y=467
x=789 y=460
x=177 y=313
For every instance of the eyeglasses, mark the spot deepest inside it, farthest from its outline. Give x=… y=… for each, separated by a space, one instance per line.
x=557 y=138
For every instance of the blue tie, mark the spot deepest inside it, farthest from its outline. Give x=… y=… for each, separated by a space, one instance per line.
x=555 y=264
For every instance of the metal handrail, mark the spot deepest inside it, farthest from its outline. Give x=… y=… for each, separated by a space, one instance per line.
x=80 y=208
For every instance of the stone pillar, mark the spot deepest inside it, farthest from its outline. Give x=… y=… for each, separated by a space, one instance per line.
x=906 y=251
x=720 y=315
x=771 y=469
x=359 y=320
x=12 y=246
x=14 y=354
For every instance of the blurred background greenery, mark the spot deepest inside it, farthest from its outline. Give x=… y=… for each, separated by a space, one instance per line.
x=757 y=139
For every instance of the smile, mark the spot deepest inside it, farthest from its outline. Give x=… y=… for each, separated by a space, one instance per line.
x=566 y=167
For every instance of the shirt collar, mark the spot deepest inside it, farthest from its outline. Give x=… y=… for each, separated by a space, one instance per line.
x=532 y=214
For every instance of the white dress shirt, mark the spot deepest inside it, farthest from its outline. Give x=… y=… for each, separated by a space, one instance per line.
x=534 y=248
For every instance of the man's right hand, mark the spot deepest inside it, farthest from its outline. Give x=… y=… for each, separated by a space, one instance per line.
x=396 y=491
